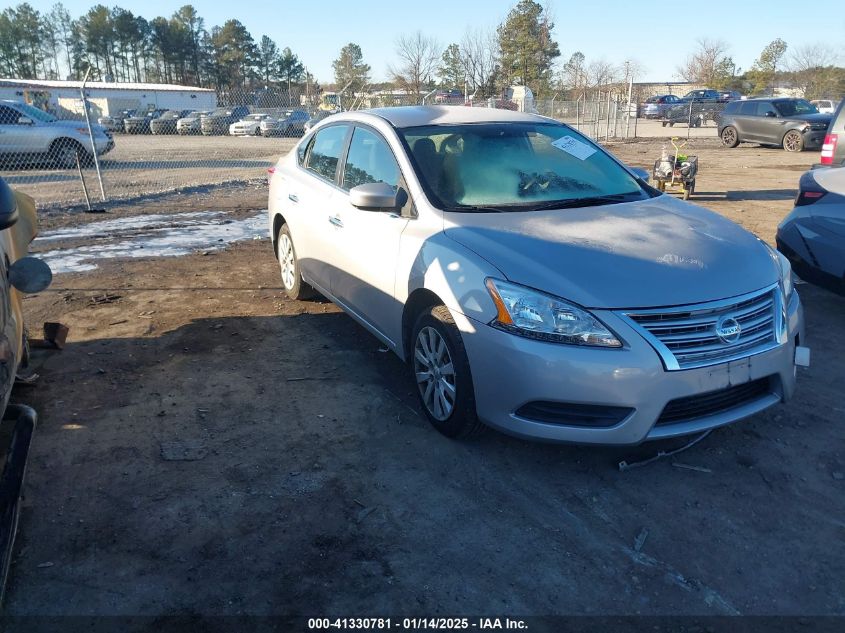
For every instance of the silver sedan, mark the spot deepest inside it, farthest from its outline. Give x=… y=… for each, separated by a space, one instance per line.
x=531 y=281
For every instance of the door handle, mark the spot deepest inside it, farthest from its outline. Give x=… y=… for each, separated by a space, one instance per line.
x=336 y=221
x=292 y=197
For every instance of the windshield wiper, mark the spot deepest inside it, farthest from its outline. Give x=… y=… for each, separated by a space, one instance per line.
x=573 y=203
x=476 y=209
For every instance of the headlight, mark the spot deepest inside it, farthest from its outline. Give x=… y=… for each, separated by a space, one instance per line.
x=785 y=277
x=787 y=285
x=540 y=316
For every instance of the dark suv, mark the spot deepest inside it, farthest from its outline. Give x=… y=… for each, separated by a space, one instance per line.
x=794 y=124
x=833 y=149
x=219 y=120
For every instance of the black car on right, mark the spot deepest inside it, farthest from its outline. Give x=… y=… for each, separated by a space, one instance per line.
x=794 y=124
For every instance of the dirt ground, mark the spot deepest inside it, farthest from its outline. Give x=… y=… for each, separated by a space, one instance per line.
x=206 y=446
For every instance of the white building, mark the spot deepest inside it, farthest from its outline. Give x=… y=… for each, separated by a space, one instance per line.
x=63 y=97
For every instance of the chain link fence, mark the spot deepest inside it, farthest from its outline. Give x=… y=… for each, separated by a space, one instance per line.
x=150 y=141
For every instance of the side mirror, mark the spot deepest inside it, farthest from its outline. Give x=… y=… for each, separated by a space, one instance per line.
x=25 y=120
x=640 y=173
x=30 y=275
x=373 y=196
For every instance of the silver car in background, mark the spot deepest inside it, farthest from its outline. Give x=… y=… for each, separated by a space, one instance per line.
x=29 y=135
x=250 y=125
x=191 y=124
x=531 y=281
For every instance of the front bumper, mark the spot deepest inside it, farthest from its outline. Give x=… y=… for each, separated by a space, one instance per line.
x=813 y=139
x=511 y=371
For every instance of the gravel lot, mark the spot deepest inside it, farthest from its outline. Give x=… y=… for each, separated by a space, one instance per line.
x=207 y=446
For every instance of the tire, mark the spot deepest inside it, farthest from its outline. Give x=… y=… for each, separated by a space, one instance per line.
x=292 y=281
x=63 y=154
x=440 y=369
x=729 y=136
x=793 y=141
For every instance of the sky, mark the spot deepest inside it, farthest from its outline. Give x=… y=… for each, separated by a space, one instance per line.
x=613 y=30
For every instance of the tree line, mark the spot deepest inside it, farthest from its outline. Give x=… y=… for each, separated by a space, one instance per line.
x=120 y=46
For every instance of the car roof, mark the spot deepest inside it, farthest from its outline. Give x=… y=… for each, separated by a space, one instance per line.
x=413 y=116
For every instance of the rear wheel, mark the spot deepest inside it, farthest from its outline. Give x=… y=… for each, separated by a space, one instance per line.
x=793 y=141
x=440 y=368
x=729 y=137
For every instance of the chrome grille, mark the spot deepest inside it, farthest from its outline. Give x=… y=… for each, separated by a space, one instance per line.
x=686 y=336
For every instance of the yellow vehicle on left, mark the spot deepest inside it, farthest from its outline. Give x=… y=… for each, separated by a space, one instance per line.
x=19 y=274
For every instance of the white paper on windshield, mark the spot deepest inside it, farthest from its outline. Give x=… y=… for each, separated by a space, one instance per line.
x=574 y=147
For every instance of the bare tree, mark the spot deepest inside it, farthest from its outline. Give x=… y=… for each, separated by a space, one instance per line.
x=709 y=64
x=600 y=73
x=479 y=51
x=419 y=56
x=810 y=66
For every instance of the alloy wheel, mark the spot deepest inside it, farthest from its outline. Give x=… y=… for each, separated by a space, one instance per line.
x=729 y=137
x=287 y=262
x=435 y=373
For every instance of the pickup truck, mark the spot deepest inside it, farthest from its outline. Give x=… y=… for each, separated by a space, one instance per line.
x=696 y=107
x=29 y=135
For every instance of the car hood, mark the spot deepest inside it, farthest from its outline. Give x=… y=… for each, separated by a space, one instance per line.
x=650 y=253
x=812 y=118
x=76 y=125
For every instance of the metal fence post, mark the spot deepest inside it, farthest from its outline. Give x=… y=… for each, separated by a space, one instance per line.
x=91 y=134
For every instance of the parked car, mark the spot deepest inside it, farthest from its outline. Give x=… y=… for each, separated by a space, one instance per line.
x=655 y=107
x=114 y=122
x=730 y=95
x=29 y=135
x=166 y=123
x=22 y=275
x=530 y=280
x=825 y=106
x=696 y=108
x=319 y=115
x=794 y=124
x=290 y=123
x=139 y=123
x=250 y=125
x=190 y=123
x=813 y=236
x=833 y=148
x=453 y=97
x=218 y=121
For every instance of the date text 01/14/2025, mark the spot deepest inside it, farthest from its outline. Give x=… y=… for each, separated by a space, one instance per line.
x=416 y=624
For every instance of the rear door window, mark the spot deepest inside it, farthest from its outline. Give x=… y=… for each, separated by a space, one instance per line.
x=748 y=108
x=325 y=151
x=763 y=107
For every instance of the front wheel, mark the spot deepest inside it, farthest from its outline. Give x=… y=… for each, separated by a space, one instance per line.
x=295 y=287
x=63 y=154
x=793 y=141
x=440 y=368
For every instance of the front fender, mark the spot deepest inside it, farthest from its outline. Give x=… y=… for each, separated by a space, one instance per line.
x=451 y=271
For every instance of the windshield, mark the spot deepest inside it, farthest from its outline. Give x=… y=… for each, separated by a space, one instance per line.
x=795 y=107
x=35 y=113
x=515 y=167
x=221 y=112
